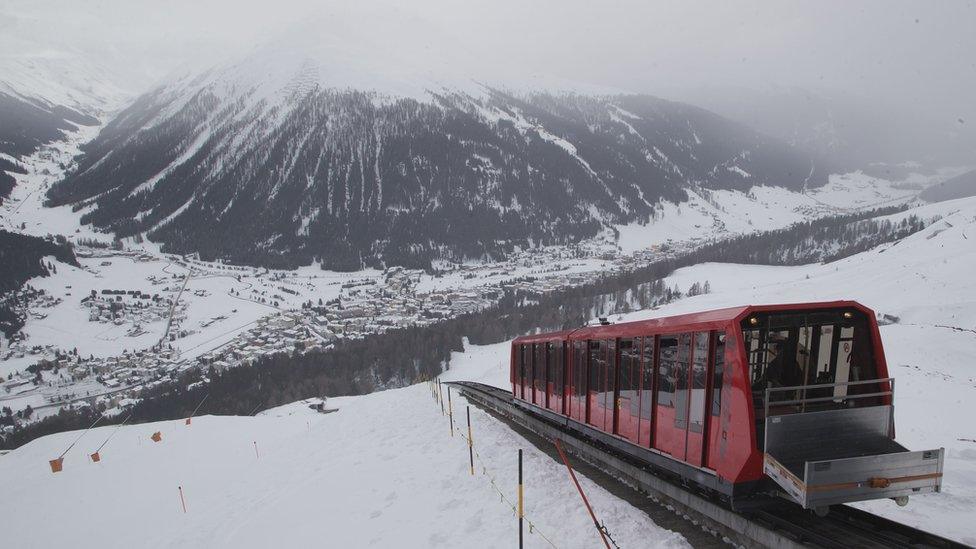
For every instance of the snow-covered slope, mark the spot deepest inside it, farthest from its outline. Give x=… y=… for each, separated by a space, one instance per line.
x=383 y=471
x=709 y=214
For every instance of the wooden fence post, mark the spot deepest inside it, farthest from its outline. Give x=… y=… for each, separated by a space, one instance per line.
x=470 y=442
x=521 y=503
x=450 y=411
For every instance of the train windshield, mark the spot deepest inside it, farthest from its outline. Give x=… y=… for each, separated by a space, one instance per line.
x=809 y=348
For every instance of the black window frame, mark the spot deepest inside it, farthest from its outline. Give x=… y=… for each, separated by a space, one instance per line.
x=719 y=341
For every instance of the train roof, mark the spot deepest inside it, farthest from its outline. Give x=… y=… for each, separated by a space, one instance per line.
x=716 y=319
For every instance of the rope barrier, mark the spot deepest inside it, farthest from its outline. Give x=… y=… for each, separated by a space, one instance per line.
x=83 y=433
x=533 y=528
x=124 y=421
x=194 y=412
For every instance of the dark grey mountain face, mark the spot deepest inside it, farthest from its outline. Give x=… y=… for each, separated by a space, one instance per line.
x=352 y=178
x=25 y=126
x=961 y=186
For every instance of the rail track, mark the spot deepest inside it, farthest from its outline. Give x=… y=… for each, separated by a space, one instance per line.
x=784 y=525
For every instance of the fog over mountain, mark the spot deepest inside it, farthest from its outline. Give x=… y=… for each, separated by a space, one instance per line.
x=911 y=61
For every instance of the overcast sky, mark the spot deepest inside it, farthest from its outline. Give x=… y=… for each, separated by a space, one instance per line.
x=897 y=52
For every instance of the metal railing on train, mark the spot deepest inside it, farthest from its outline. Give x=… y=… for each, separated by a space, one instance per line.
x=802 y=401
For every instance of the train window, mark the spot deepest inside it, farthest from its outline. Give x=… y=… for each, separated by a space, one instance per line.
x=579 y=366
x=797 y=349
x=539 y=365
x=523 y=358
x=824 y=347
x=680 y=367
x=598 y=365
x=610 y=376
x=718 y=367
x=845 y=356
x=628 y=377
x=770 y=358
x=556 y=365
x=699 y=371
x=647 y=371
x=667 y=355
x=550 y=362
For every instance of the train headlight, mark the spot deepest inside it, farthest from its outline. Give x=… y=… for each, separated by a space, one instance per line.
x=753 y=321
x=848 y=315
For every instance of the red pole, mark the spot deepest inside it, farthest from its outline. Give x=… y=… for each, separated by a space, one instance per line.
x=572 y=475
x=183 y=501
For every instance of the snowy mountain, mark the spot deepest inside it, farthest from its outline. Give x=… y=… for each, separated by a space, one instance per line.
x=44 y=96
x=283 y=159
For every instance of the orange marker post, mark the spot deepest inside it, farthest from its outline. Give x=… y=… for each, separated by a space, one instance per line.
x=58 y=464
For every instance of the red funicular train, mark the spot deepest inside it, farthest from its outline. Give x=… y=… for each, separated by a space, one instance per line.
x=743 y=402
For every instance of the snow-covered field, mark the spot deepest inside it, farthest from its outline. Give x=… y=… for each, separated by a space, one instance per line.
x=383 y=470
x=721 y=213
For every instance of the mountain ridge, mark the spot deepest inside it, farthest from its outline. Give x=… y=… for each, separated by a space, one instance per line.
x=302 y=172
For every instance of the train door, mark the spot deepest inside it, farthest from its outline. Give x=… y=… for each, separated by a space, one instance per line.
x=599 y=392
x=609 y=391
x=627 y=389
x=646 y=405
x=674 y=394
x=554 y=376
x=596 y=375
x=524 y=371
x=539 y=375
x=664 y=412
x=715 y=445
x=682 y=397
x=577 y=399
x=697 y=401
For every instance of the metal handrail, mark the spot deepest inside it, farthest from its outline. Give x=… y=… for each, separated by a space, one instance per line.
x=824 y=385
x=825 y=399
x=770 y=390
